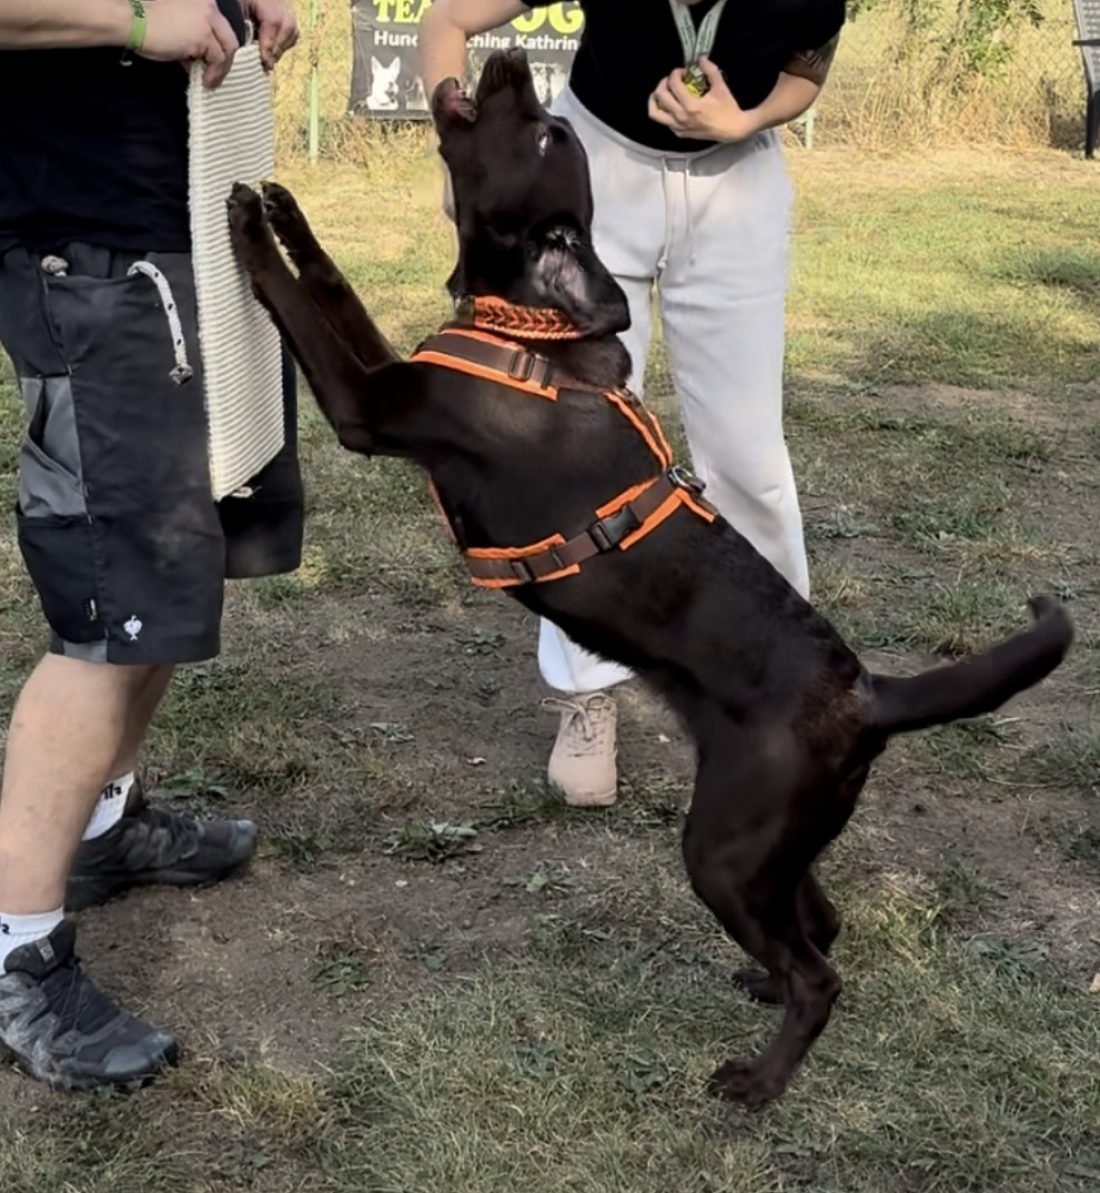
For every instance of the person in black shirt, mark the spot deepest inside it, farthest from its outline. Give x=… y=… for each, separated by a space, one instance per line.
x=117 y=523
x=676 y=102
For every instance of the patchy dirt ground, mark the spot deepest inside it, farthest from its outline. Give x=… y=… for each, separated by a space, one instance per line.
x=447 y=701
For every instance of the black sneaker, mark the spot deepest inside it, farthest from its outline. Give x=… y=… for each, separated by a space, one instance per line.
x=65 y=1031
x=151 y=844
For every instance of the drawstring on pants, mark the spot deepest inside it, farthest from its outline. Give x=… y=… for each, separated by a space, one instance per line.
x=682 y=169
x=662 y=259
x=182 y=371
x=688 y=215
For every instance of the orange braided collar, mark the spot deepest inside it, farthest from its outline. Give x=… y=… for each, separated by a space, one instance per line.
x=528 y=323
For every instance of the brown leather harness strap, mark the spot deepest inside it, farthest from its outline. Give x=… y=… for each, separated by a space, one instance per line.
x=502 y=361
x=491 y=358
x=620 y=522
x=559 y=557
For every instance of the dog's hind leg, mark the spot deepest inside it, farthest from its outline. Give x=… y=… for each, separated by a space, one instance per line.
x=352 y=396
x=328 y=289
x=819 y=916
x=748 y=844
x=820 y=921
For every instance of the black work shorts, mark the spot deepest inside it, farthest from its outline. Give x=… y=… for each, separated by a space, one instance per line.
x=117 y=523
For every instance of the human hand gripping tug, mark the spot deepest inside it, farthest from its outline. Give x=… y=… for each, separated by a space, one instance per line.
x=196 y=31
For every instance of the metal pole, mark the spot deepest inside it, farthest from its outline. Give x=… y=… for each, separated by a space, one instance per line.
x=314 y=83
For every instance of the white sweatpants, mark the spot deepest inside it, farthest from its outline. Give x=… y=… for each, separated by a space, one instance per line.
x=709 y=230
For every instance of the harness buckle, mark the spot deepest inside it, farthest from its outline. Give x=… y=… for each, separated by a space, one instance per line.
x=522 y=365
x=529 y=367
x=684 y=478
x=609 y=532
x=522 y=571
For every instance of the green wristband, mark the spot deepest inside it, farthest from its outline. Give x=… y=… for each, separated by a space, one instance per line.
x=138 y=24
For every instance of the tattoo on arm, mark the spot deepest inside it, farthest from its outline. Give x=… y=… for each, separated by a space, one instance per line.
x=813 y=64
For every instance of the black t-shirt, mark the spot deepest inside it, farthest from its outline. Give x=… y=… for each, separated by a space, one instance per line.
x=629 y=46
x=93 y=150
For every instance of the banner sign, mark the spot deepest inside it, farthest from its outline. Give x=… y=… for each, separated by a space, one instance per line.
x=385 y=83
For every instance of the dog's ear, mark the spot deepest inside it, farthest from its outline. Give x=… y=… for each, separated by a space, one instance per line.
x=452 y=106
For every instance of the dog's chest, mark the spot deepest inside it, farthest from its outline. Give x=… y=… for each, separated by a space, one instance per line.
x=539 y=468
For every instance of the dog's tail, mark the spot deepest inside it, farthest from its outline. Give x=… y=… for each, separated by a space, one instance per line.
x=976 y=685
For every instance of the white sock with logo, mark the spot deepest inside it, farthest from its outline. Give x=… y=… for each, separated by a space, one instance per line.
x=18 y=930
x=112 y=803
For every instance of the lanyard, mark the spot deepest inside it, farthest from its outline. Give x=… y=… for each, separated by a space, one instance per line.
x=696 y=42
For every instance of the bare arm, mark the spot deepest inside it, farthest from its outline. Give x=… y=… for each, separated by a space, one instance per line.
x=55 y=24
x=790 y=97
x=799 y=84
x=718 y=116
x=446 y=28
x=176 y=30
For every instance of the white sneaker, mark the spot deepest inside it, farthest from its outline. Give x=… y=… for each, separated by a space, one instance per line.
x=582 y=763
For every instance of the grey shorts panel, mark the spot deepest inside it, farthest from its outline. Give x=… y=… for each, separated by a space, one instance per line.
x=87 y=652
x=50 y=476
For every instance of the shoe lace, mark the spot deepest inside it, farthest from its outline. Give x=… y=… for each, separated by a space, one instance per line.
x=74 y=999
x=587 y=728
x=161 y=836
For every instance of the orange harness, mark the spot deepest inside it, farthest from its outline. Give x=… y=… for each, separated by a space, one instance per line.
x=479 y=350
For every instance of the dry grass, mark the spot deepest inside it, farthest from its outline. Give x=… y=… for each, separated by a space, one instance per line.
x=893 y=86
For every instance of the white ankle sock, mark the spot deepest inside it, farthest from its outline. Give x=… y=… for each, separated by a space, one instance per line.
x=18 y=930
x=112 y=803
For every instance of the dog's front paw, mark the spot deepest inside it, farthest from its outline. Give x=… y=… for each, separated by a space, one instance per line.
x=744 y=1083
x=281 y=209
x=246 y=213
x=249 y=232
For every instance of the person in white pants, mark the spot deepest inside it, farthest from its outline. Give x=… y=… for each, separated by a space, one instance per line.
x=692 y=203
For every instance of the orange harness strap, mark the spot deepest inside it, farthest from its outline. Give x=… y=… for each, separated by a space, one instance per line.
x=621 y=522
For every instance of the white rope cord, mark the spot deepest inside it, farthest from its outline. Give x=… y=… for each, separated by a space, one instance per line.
x=182 y=371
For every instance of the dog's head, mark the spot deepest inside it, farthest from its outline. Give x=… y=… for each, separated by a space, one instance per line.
x=522 y=199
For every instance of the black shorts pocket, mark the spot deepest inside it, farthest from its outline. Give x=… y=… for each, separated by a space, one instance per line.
x=91 y=314
x=60 y=555
x=142 y=436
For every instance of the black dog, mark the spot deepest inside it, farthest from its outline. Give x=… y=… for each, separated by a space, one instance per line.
x=636 y=566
